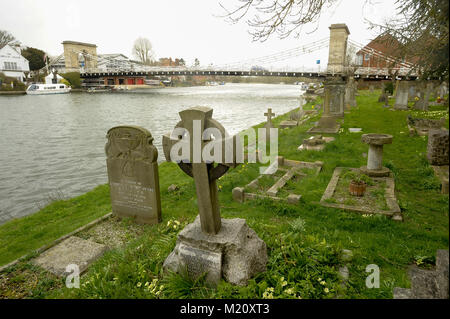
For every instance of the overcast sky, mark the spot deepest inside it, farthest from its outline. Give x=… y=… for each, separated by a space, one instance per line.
x=176 y=28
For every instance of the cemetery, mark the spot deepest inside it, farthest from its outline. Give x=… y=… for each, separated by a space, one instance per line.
x=204 y=230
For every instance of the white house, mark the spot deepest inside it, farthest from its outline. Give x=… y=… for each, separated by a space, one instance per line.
x=12 y=63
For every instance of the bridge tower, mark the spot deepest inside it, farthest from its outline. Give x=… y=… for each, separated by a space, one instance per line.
x=338 y=47
x=79 y=55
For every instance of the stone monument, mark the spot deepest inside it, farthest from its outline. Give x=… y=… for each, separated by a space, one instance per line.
x=438 y=156
x=401 y=97
x=327 y=123
x=133 y=174
x=268 y=124
x=221 y=248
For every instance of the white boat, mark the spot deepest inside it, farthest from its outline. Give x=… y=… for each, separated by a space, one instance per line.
x=58 y=88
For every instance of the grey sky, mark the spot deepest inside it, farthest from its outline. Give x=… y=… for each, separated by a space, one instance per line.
x=176 y=28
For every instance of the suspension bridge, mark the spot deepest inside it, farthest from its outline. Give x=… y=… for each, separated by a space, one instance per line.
x=339 y=63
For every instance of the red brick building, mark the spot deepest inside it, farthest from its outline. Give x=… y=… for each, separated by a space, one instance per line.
x=382 y=52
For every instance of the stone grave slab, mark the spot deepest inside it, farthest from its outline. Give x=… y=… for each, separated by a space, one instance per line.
x=427 y=283
x=423 y=126
x=288 y=124
x=73 y=250
x=355 y=129
x=287 y=170
x=133 y=174
x=315 y=143
x=335 y=196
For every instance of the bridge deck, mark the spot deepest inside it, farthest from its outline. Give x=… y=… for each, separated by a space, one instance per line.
x=320 y=75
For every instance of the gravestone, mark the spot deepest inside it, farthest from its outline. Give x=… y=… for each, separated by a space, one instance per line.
x=438 y=147
x=401 y=98
x=133 y=174
x=327 y=123
x=315 y=143
x=219 y=247
x=423 y=101
x=73 y=250
x=437 y=154
x=268 y=124
x=337 y=95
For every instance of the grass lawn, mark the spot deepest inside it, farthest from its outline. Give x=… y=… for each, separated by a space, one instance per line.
x=304 y=241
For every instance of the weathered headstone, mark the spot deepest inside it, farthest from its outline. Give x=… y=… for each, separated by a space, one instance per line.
x=425 y=91
x=438 y=147
x=401 y=98
x=327 y=122
x=337 y=94
x=219 y=247
x=133 y=174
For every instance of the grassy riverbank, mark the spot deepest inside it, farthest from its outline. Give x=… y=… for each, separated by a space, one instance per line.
x=304 y=242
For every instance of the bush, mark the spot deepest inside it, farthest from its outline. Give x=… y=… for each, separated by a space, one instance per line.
x=73 y=78
x=6 y=84
x=389 y=87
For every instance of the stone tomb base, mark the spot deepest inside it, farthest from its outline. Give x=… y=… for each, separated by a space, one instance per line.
x=316 y=147
x=441 y=172
x=288 y=124
x=73 y=250
x=364 y=204
x=236 y=253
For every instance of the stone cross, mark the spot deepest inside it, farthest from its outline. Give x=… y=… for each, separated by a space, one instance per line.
x=205 y=174
x=269 y=115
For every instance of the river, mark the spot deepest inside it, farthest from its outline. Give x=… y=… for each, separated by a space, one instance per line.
x=52 y=146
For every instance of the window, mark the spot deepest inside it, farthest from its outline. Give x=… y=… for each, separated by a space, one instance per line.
x=61 y=86
x=366 y=57
x=10 y=65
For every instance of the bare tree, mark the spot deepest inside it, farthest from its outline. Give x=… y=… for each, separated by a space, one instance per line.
x=422 y=27
x=6 y=38
x=277 y=16
x=142 y=50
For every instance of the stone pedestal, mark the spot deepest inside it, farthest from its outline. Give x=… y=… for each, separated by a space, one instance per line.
x=401 y=97
x=235 y=253
x=375 y=157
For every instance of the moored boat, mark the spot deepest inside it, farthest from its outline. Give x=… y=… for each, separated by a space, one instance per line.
x=58 y=88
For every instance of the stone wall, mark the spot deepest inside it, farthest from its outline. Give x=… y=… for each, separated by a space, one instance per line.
x=437 y=149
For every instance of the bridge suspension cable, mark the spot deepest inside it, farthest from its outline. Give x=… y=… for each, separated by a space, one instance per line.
x=277 y=57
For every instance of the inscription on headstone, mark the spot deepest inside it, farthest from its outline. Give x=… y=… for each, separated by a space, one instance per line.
x=133 y=174
x=200 y=261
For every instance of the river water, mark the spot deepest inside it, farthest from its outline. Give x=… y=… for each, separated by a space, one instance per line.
x=52 y=146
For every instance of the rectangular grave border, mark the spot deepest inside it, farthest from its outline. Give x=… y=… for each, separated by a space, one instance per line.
x=279 y=184
x=57 y=241
x=389 y=195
